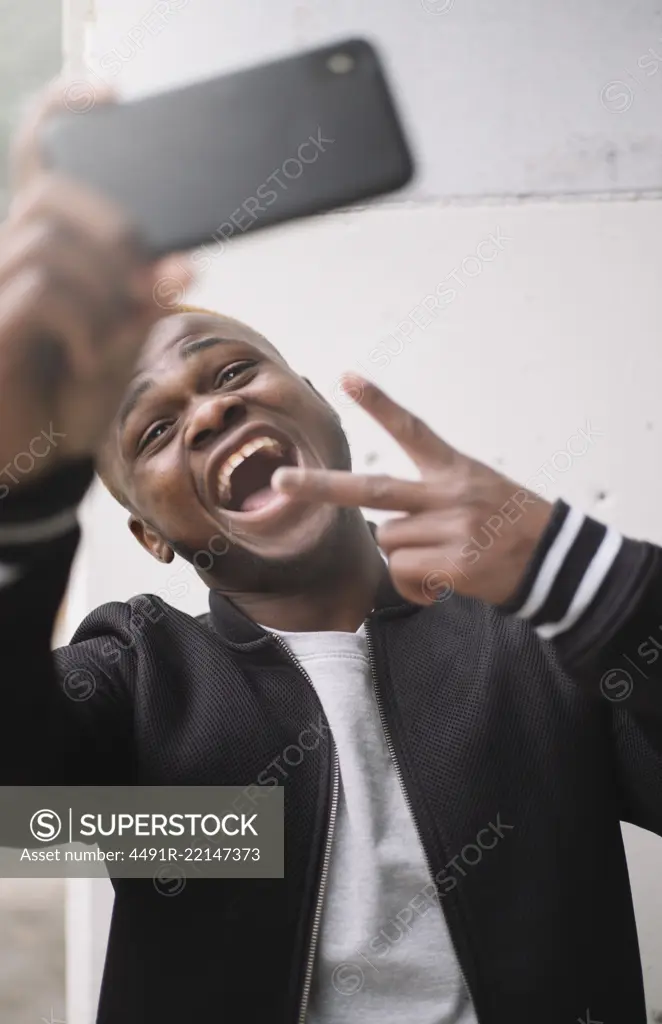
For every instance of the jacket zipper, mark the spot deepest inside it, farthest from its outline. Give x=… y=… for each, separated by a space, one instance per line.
x=324 y=874
x=401 y=779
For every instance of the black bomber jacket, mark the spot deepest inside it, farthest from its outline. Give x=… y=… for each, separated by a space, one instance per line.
x=506 y=743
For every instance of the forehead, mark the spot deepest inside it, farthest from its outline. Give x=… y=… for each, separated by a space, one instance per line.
x=173 y=329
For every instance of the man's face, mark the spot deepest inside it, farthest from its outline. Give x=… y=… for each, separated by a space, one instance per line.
x=210 y=414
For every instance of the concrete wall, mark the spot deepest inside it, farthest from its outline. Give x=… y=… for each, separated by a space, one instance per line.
x=32 y=950
x=555 y=332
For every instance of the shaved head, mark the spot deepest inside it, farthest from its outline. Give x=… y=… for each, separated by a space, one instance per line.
x=213 y=401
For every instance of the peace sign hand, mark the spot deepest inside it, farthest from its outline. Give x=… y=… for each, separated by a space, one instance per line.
x=466 y=528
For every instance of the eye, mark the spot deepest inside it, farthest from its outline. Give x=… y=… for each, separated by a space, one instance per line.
x=153 y=434
x=230 y=373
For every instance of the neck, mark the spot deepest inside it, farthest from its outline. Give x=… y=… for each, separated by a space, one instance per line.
x=341 y=600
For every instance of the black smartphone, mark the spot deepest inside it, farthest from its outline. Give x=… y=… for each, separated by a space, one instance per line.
x=219 y=158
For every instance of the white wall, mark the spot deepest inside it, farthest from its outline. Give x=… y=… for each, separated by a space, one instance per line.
x=559 y=332
x=511 y=98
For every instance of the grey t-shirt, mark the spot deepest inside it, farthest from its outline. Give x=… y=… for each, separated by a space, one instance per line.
x=384 y=954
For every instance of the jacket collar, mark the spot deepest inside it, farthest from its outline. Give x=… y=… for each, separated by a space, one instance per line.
x=240 y=631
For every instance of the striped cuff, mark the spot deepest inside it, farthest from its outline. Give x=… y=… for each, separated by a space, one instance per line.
x=39 y=512
x=568 y=570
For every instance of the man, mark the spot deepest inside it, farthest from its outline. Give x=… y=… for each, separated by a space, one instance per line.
x=453 y=850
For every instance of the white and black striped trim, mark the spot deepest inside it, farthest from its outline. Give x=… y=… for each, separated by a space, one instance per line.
x=42 y=511
x=556 y=555
x=592 y=580
x=36 y=532
x=48 y=496
x=573 y=561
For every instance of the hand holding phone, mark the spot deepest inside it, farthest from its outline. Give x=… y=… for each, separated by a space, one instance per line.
x=77 y=302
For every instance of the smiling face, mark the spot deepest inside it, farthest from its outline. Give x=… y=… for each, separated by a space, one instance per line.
x=212 y=411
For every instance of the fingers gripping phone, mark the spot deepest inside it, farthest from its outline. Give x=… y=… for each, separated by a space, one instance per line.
x=243 y=151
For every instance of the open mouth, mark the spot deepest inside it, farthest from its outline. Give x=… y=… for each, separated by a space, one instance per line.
x=244 y=479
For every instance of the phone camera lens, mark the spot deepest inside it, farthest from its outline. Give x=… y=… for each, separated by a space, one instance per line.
x=340 y=63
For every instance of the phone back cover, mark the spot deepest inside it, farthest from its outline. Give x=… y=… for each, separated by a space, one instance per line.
x=237 y=153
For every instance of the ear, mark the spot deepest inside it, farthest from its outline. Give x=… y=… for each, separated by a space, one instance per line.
x=151 y=540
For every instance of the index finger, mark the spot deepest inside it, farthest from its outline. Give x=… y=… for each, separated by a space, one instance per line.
x=351 y=490
x=414 y=436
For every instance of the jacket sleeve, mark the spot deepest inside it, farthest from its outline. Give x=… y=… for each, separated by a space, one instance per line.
x=66 y=714
x=597 y=597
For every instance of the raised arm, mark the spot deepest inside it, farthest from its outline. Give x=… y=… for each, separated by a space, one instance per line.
x=592 y=593
x=76 y=304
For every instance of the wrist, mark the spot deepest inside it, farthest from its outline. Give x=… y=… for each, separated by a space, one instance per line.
x=541 y=527
x=57 y=489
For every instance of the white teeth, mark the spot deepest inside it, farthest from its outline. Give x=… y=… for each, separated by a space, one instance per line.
x=236 y=459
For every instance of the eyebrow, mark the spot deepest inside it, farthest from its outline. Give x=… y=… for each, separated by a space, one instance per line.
x=131 y=401
x=191 y=348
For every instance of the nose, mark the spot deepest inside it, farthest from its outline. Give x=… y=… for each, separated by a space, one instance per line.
x=213 y=416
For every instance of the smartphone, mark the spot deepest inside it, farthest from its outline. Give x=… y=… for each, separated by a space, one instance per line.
x=233 y=154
